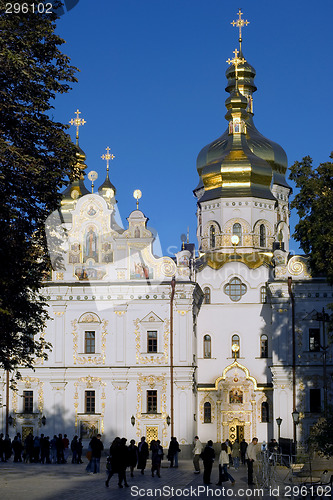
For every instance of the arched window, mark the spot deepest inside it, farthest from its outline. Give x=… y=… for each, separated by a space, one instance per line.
x=207 y=413
x=264 y=412
x=262 y=233
x=206 y=295
x=237 y=230
x=263 y=295
x=207 y=346
x=264 y=346
x=235 y=343
x=212 y=239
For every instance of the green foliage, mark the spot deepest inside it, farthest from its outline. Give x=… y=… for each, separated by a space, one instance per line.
x=314 y=203
x=321 y=437
x=36 y=157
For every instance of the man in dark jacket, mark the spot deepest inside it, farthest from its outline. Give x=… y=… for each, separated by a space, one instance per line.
x=208 y=457
x=143 y=454
x=96 y=446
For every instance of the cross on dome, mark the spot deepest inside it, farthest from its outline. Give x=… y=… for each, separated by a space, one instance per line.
x=240 y=23
x=77 y=122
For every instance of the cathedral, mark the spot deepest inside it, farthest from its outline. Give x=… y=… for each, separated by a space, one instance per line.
x=225 y=340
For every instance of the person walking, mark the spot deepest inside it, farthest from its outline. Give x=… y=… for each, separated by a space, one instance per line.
x=235 y=454
x=122 y=458
x=132 y=456
x=74 y=449
x=173 y=452
x=156 y=457
x=112 y=460
x=17 y=449
x=96 y=446
x=243 y=447
x=251 y=455
x=65 y=442
x=143 y=454
x=79 y=451
x=60 y=450
x=197 y=450
x=53 y=450
x=223 y=466
x=208 y=457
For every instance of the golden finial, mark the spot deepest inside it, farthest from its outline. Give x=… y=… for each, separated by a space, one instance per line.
x=92 y=176
x=107 y=157
x=137 y=195
x=240 y=23
x=236 y=61
x=77 y=122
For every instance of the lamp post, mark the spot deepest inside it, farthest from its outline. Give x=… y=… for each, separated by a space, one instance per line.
x=133 y=420
x=324 y=317
x=295 y=415
x=279 y=422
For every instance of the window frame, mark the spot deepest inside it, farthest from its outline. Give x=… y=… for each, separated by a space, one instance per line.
x=152 y=343
x=262 y=236
x=28 y=402
x=90 y=402
x=315 y=400
x=152 y=401
x=264 y=349
x=207 y=295
x=317 y=336
x=235 y=339
x=207 y=346
x=207 y=413
x=89 y=342
x=212 y=236
x=237 y=229
x=230 y=289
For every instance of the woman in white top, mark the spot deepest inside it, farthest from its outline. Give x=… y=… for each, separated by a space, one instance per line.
x=223 y=465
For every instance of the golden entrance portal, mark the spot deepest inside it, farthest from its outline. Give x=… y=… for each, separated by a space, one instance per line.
x=151 y=433
x=236 y=431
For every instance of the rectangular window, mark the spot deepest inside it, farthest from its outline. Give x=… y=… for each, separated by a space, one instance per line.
x=89 y=342
x=28 y=401
x=90 y=401
x=315 y=401
x=151 y=401
x=152 y=341
x=314 y=339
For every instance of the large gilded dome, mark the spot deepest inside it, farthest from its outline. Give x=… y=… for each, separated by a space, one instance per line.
x=211 y=156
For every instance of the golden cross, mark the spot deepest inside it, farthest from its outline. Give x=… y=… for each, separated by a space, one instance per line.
x=107 y=157
x=77 y=122
x=240 y=23
x=236 y=61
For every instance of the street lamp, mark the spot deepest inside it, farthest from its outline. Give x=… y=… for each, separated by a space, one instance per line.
x=43 y=420
x=133 y=420
x=168 y=420
x=295 y=415
x=10 y=420
x=279 y=422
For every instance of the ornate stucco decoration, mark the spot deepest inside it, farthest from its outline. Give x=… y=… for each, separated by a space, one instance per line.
x=90 y=382
x=207 y=399
x=29 y=382
x=140 y=340
x=235 y=364
x=100 y=325
x=153 y=382
x=298 y=267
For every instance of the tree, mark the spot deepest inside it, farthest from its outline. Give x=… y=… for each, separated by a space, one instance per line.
x=36 y=158
x=321 y=436
x=314 y=203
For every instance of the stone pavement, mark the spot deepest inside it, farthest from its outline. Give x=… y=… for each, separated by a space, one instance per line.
x=71 y=482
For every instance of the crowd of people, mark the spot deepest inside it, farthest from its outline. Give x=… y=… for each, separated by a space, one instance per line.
x=41 y=449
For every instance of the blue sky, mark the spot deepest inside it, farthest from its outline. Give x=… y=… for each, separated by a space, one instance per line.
x=151 y=86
